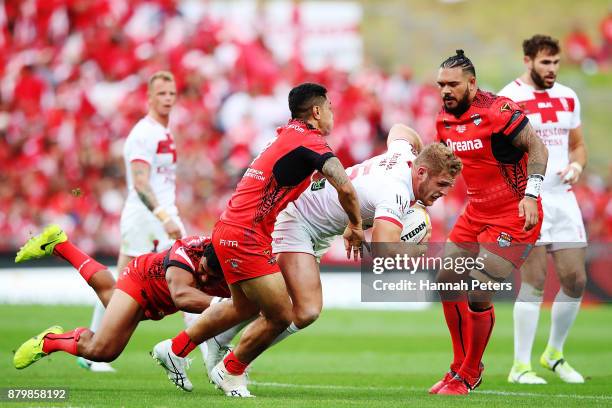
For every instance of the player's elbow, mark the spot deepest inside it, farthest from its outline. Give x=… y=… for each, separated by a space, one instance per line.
x=181 y=300
x=140 y=185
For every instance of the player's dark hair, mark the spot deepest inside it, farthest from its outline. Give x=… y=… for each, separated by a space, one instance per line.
x=537 y=43
x=459 y=60
x=211 y=258
x=303 y=97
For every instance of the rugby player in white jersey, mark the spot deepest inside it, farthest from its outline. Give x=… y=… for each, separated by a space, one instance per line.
x=554 y=112
x=387 y=186
x=149 y=221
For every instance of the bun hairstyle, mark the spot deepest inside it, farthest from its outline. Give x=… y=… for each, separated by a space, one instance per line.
x=459 y=60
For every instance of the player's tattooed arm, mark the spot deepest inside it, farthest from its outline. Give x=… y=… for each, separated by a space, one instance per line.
x=530 y=143
x=337 y=177
x=140 y=175
x=353 y=234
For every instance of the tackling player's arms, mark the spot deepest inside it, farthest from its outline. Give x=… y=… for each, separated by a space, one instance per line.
x=337 y=177
x=530 y=143
x=347 y=196
x=185 y=295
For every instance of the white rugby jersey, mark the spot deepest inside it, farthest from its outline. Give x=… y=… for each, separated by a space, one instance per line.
x=152 y=143
x=552 y=113
x=384 y=188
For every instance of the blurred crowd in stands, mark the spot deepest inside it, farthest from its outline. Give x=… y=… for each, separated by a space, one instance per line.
x=74 y=83
x=580 y=49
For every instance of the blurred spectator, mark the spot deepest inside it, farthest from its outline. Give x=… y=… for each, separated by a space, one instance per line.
x=605 y=28
x=578 y=46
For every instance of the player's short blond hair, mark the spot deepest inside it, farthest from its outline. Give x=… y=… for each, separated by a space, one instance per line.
x=439 y=158
x=163 y=75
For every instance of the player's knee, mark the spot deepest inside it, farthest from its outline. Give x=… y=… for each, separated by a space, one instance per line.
x=281 y=319
x=538 y=282
x=574 y=285
x=306 y=316
x=102 y=352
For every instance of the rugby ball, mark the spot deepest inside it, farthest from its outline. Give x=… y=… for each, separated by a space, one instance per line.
x=416 y=222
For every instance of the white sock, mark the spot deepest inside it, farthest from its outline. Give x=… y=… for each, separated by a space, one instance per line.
x=563 y=313
x=286 y=333
x=227 y=336
x=96 y=318
x=526 y=316
x=190 y=319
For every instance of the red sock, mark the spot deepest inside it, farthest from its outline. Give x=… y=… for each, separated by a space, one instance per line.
x=65 y=342
x=480 y=327
x=233 y=365
x=456 y=317
x=182 y=344
x=84 y=264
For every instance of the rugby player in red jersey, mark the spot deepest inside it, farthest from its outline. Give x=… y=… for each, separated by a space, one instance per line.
x=243 y=236
x=504 y=163
x=184 y=277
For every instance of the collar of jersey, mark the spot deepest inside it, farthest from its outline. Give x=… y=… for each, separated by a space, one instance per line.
x=304 y=124
x=150 y=119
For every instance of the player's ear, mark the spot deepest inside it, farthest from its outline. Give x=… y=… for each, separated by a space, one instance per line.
x=472 y=83
x=421 y=172
x=316 y=112
x=527 y=61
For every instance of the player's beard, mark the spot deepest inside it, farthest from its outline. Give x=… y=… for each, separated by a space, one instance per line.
x=538 y=80
x=463 y=105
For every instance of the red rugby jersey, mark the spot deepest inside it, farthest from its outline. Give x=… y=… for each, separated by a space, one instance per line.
x=186 y=254
x=277 y=176
x=494 y=170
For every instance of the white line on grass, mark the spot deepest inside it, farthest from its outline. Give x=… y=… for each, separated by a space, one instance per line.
x=490 y=392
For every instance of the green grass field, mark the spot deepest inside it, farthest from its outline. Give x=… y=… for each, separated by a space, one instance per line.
x=348 y=358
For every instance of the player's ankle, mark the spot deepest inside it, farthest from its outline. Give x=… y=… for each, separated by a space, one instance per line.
x=233 y=365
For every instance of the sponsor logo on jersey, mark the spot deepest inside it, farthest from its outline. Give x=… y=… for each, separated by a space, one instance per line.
x=476 y=118
x=254 y=173
x=464 y=145
x=504 y=239
x=505 y=108
x=228 y=243
x=317 y=185
x=296 y=127
x=461 y=128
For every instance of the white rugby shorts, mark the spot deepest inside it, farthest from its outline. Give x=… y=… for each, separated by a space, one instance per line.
x=562 y=227
x=142 y=232
x=291 y=234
